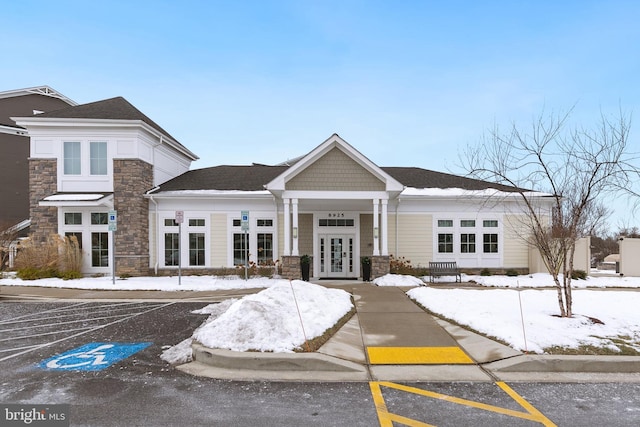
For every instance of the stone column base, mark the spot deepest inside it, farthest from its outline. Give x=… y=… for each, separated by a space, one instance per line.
x=380 y=265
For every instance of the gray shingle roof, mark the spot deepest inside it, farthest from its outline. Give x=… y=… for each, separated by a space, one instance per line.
x=423 y=178
x=116 y=108
x=254 y=177
x=245 y=178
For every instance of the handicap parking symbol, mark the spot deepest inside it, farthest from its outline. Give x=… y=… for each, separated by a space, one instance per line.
x=94 y=356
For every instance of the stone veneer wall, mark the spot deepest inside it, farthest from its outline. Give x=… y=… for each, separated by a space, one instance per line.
x=43 y=182
x=131 y=179
x=380 y=265
x=291 y=268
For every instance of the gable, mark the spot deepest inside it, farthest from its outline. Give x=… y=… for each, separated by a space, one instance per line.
x=335 y=171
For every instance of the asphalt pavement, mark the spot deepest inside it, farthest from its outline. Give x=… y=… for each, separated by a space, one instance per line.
x=388 y=339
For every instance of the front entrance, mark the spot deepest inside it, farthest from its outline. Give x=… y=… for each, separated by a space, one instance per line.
x=336 y=255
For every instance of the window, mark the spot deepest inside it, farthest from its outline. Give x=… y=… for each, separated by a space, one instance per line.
x=73 y=218
x=170 y=222
x=445 y=223
x=72 y=158
x=196 y=222
x=490 y=223
x=99 y=218
x=490 y=243
x=196 y=249
x=265 y=223
x=240 y=248
x=171 y=249
x=98 y=158
x=445 y=243
x=100 y=249
x=237 y=223
x=467 y=243
x=468 y=223
x=336 y=222
x=265 y=248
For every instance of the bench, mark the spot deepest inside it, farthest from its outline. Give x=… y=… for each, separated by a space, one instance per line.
x=437 y=269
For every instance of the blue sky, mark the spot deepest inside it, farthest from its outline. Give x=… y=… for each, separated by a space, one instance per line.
x=408 y=83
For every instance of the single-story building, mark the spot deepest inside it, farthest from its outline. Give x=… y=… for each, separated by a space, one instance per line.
x=333 y=204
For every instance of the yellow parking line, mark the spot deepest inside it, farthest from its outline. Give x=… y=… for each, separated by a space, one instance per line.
x=386 y=418
x=417 y=355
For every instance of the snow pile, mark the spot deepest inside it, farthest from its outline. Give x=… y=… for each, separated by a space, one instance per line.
x=188 y=283
x=181 y=352
x=270 y=320
x=539 y=280
x=398 y=280
x=496 y=313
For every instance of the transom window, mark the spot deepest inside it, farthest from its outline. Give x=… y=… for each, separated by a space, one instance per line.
x=264 y=223
x=445 y=223
x=468 y=223
x=336 y=222
x=170 y=222
x=196 y=222
x=490 y=223
x=73 y=218
x=99 y=218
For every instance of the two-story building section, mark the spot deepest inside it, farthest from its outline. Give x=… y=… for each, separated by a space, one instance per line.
x=89 y=159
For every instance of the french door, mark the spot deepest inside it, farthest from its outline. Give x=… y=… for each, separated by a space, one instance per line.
x=336 y=255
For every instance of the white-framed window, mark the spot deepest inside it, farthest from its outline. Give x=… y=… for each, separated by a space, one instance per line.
x=189 y=250
x=471 y=241
x=72 y=157
x=256 y=245
x=89 y=226
x=98 y=158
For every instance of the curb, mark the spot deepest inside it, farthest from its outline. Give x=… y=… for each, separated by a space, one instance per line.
x=566 y=364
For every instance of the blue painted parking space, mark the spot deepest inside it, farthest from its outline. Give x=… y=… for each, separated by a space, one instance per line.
x=94 y=356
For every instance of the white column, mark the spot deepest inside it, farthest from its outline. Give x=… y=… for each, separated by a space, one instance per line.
x=376 y=228
x=287 y=228
x=383 y=229
x=296 y=230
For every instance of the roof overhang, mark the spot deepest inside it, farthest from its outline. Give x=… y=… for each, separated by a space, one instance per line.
x=78 y=200
x=13 y=130
x=204 y=194
x=38 y=90
x=35 y=121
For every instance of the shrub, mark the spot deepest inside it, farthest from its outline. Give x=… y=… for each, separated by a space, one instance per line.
x=485 y=272
x=578 y=275
x=400 y=265
x=56 y=257
x=511 y=273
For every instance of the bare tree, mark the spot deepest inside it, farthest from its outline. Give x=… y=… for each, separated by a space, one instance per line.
x=576 y=166
x=8 y=234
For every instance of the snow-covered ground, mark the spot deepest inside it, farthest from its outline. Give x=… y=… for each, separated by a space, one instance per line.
x=269 y=320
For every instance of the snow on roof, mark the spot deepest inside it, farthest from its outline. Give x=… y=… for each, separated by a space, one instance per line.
x=460 y=192
x=73 y=197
